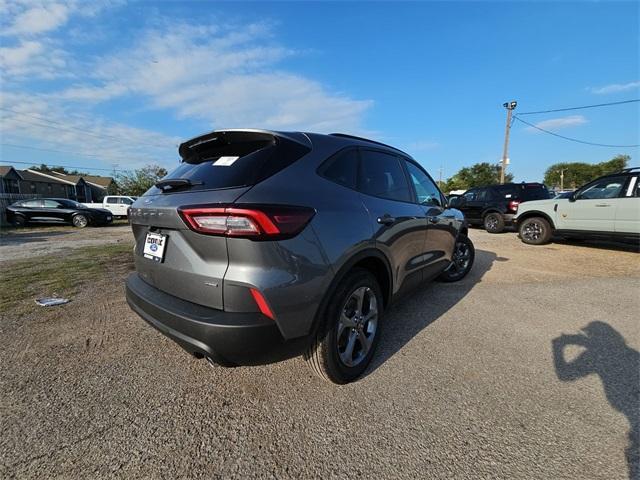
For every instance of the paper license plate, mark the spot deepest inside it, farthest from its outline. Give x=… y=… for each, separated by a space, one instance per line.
x=154 y=246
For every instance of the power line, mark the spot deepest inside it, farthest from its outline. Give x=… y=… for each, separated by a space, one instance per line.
x=71 y=166
x=90 y=155
x=572 y=139
x=75 y=129
x=580 y=108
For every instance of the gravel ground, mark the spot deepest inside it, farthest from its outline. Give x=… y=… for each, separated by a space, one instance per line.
x=21 y=243
x=464 y=385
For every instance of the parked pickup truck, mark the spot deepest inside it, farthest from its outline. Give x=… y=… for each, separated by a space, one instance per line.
x=116 y=204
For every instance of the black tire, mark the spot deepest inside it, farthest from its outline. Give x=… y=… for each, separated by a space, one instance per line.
x=493 y=222
x=19 y=221
x=326 y=354
x=463 y=256
x=535 y=231
x=80 y=221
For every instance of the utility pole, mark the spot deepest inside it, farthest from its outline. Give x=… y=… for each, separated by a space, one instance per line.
x=562 y=180
x=510 y=106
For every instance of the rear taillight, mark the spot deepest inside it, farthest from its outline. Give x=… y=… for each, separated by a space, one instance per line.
x=513 y=205
x=264 y=221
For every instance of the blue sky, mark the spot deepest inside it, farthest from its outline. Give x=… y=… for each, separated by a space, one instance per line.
x=124 y=83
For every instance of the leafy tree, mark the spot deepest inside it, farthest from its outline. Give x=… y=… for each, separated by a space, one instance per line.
x=579 y=173
x=477 y=175
x=137 y=182
x=46 y=169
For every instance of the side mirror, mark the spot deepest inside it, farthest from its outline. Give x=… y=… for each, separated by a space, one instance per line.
x=573 y=197
x=454 y=202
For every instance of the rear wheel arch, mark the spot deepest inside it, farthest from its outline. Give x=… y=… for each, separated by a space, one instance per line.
x=490 y=210
x=369 y=259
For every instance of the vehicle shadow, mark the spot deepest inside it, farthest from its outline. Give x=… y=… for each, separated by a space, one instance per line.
x=607 y=355
x=599 y=244
x=24 y=236
x=415 y=312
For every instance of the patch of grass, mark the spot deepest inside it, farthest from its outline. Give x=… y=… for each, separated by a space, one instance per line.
x=56 y=227
x=22 y=281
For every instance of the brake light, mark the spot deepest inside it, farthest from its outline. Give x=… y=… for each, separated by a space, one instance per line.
x=513 y=205
x=254 y=222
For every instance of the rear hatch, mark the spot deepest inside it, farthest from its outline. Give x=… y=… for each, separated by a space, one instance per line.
x=216 y=170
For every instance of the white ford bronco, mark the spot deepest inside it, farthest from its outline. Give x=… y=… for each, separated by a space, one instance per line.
x=607 y=208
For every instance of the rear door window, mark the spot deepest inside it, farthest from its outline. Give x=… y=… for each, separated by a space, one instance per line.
x=234 y=159
x=381 y=175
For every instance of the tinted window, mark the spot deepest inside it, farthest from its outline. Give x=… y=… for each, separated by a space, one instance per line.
x=533 y=191
x=32 y=203
x=234 y=159
x=483 y=195
x=342 y=168
x=428 y=193
x=112 y=200
x=470 y=196
x=609 y=187
x=125 y=201
x=50 y=204
x=381 y=175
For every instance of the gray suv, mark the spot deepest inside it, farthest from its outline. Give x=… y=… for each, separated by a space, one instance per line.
x=264 y=245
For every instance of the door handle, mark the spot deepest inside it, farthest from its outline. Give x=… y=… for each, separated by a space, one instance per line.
x=432 y=219
x=603 y=205
x=386 y=219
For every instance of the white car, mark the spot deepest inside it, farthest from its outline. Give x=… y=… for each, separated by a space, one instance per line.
x=607 y=208
x=116 y=204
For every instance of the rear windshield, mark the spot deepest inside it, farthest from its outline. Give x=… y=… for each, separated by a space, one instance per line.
x=522 y=191
x=534 y=191
x=234 y=160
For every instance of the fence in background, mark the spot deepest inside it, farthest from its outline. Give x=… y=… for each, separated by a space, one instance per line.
x=7 y=199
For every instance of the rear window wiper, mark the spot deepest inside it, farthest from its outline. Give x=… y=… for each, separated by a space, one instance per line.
x=176 y=183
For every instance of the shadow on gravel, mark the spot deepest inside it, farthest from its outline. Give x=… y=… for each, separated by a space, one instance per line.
x=415 y=312
x=599 y=244
x=24 y=236
x=607 y=355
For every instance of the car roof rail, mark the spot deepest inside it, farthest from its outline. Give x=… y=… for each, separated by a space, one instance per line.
x=629 y=170
x=354 y=137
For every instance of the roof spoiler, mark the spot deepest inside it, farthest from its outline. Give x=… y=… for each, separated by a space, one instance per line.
x=241 y=136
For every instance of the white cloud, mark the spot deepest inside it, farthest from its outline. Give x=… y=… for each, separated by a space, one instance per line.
x=223 y=77
x=36 y=121
x=615 y=88
x=39 y=19
x=33 y=58
x=559 y=123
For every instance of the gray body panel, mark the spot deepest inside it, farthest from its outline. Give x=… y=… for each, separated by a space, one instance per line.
x=295 y=274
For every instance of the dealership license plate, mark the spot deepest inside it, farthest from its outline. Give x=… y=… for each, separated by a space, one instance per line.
x=154 y=246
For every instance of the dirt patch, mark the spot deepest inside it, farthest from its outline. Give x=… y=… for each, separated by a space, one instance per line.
x=60 y=275
x=24 y=243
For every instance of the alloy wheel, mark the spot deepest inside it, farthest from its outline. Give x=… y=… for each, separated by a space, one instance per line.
x=532 y=231
x=461 y=258
x=357 y=326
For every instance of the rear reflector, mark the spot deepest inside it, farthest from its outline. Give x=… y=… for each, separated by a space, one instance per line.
x=513 y=205
x=262 y=303
x=258 y=222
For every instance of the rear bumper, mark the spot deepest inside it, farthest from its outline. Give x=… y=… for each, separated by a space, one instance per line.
x=226 y=338
x=509 y=218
